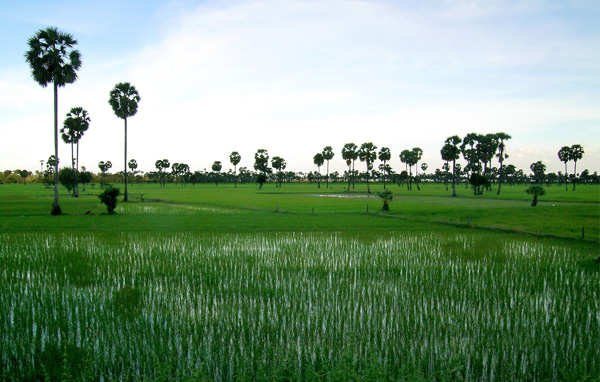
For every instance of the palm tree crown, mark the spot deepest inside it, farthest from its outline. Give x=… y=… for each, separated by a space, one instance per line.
x=124 y=100
x=52 y=58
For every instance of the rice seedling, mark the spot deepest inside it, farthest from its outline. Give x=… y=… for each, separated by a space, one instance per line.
x=297 y=306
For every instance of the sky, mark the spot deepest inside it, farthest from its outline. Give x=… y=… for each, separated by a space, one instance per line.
x=294 y=76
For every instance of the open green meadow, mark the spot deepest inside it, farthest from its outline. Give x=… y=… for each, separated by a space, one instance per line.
x=300 y=283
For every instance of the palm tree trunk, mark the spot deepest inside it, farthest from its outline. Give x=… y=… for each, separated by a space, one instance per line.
x=500 y=177
x=125 y=176
x=454 y=177
x=566 y=178
x=368 y=189
x=574 y=175
x=349 y=178
x=55 y=206
x=353 y=179
x=77 y=172
x=327 y=174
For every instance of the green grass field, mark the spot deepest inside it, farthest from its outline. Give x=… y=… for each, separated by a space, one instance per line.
x=300 y=283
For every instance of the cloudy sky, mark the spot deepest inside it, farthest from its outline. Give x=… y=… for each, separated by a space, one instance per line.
x=293 y=76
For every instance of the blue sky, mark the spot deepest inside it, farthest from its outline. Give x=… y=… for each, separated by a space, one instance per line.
x=294 y=76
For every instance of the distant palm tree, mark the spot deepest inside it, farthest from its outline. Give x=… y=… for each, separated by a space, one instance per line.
x=319 y=160
x=279 y=164
x=235 y=159
x=328 y=155
x=124 y=99
x=52 y=59
x=502 y=155
x=132 y=164
x=451 y=152
x=385 y=155
x=216 y=167
x=74 y=126
x=350 y=154
x=576 y=154
x=368 y=155
x=564 y=154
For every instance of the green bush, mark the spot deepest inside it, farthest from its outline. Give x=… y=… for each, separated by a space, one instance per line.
x=109 y=197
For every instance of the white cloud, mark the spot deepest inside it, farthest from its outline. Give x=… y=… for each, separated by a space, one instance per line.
x=295 y=76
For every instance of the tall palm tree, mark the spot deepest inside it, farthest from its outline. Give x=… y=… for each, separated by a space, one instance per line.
x=368 y=155
x=52 y=59
x=74 y=126
x=451 y=152
x=416 y=155
x=564 y=154
x=385 y=155
x=235 y=159
x=124 y=99
x=576 y=154
x=502 y=155
x=319 y=160
x=350 y=154
x=328 y=155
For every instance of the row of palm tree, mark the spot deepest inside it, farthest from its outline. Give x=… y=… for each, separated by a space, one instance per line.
x=53 y=59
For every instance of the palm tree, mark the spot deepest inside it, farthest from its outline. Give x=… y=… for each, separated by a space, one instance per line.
x=318 y=159
x=451 y=152
x=576 y=154
x=417 y=153
x=261 y=163
x=124 y=99
x=535 y=191
x=74 y=126
x=132 y=166
x=385 y=155
x=104 y=167
x=564 y=154
x=328 y=155
x=235 y=159
x=350 y=154
x=216 y=167
x=502 y=155
x=161 y=165
x=279 y=164
x=52 y=59
x=368 y=155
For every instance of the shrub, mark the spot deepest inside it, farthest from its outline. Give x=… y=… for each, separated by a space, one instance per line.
x=109 y=197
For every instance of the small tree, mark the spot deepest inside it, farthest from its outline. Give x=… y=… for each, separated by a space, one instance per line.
x=67 y=176
x=109 y=198
x=535 y=191
x=478 y=182
x=386 y=197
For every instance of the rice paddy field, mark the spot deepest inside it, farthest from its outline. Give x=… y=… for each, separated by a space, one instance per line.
x=192 y=286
